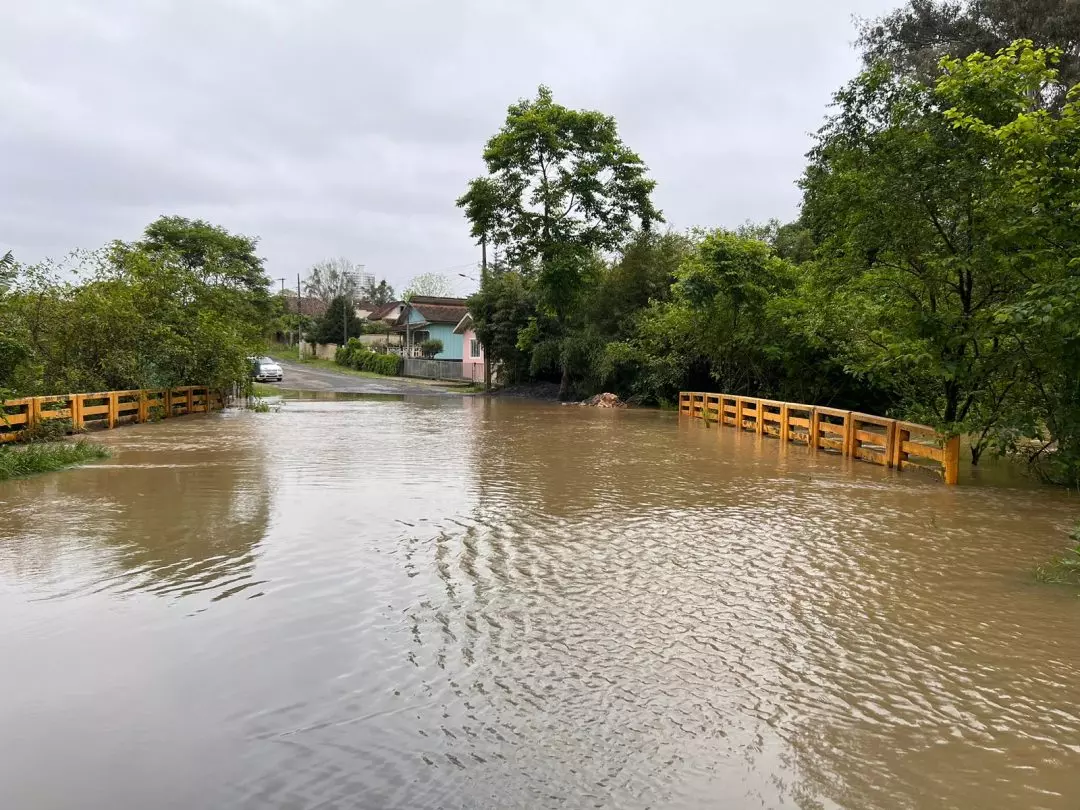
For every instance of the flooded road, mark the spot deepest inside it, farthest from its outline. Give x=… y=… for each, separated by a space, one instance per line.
x=460 y=603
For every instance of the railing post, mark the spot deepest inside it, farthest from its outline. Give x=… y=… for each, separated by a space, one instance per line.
x=900 y=455
x=738 y=413
x=951 y=460
x=33 y=413
x=166 y=401
x=190 y=400
x=759 y=419
x=815 y=429
x=890 y=443
x=76 y=412
x=784 y=430
x=114 y=404
x=849 y=434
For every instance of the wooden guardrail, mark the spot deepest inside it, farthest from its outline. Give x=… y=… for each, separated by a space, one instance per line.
x=105 y=409
x=889 y=442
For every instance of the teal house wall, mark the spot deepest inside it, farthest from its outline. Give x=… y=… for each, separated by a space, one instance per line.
x=453 y=345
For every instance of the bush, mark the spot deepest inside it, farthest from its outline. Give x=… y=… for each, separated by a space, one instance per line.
x=355 y=354
x=430 y=348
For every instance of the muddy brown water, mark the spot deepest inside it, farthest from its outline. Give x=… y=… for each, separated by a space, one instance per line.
x=458 y=603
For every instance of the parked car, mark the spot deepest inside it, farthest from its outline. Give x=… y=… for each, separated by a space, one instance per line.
x=265 y=369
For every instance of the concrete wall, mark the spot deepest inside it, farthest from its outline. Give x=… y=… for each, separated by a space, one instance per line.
x=324 y=351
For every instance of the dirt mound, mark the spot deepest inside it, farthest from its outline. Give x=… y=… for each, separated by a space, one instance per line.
x=604 y=401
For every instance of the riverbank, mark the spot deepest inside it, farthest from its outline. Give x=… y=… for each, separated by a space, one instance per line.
x=31 y=459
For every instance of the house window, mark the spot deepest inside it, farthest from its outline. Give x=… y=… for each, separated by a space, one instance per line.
x=474 y=348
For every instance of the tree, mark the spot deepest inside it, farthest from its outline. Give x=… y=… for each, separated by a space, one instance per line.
x=330 y=278
x=431 y=347
x=379 y=293
x=908 y=211
x=560 y=186
x=339 y=323
x=914 y=38
x=430 y=284
x=8 y=269
x=501 y=310
x=1037 y=155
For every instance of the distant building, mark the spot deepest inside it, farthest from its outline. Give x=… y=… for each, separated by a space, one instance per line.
x=308 y=306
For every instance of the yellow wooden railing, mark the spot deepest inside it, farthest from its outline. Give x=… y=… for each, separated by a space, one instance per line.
x=890 y=442
x=105 y=409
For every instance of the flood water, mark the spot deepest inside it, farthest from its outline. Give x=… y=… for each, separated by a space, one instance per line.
x=459 y=603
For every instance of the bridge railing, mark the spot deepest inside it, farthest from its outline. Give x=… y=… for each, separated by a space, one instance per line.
x=104 y=409
x=889 y=442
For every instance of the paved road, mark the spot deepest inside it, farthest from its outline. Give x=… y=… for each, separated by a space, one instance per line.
x=303 y=377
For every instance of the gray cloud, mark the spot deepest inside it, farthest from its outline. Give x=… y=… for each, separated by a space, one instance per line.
x=348 y=128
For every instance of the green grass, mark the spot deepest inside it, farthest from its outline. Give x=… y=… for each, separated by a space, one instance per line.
x=284 y=352
x=17 y=462
x=261 y=390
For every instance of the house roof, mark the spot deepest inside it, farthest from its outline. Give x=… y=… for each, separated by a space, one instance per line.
x=464 y=324
x=381 y=312
x=439 y=310
x=315 y=307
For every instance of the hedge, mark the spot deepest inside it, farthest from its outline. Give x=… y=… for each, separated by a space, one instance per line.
x=355 y=355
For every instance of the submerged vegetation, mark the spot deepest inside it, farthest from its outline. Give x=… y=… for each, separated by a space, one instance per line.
x=29 y=459
x=1064 y=569
x=933 y=273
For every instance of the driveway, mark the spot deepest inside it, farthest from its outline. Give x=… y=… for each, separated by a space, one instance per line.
x=305 y=377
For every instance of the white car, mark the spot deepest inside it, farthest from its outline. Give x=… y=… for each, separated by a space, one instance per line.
x=265 y=369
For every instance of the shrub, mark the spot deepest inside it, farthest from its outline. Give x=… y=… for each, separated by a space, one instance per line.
x=355 y=354
x=430 y=348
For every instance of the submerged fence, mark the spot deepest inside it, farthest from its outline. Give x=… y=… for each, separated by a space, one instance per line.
x=106 y=409
x=889 y=442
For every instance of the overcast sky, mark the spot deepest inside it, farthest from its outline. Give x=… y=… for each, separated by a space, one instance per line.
x=348 y=128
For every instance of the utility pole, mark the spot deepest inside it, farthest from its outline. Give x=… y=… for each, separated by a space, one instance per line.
x=345 y=318
x=483 y=281
x=299 y=317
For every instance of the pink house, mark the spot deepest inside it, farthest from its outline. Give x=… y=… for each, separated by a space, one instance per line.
x=472 y=356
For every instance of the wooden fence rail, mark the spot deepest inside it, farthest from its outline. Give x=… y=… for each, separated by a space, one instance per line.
x=104 y=409
x=889 y=442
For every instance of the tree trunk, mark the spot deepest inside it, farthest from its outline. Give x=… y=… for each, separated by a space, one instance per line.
x=564 y=384
x=976 y=454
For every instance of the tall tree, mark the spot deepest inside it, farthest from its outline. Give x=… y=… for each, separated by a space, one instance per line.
x=378 y=293
x=908 y=211
x=339 y=323
x=330 y=278
x=221 y=257
x=1037 y=155
x=915 y=37
x=432 y=284
x=560 y=185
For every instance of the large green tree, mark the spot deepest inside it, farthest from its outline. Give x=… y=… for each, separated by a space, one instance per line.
x=1036 y=153
x=914 y=37
x=560 y=185
x=907 y=209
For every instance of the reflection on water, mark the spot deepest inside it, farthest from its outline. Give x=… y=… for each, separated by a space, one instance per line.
x=478 y=604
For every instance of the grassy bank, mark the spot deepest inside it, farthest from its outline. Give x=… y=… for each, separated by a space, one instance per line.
x=17 y=462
